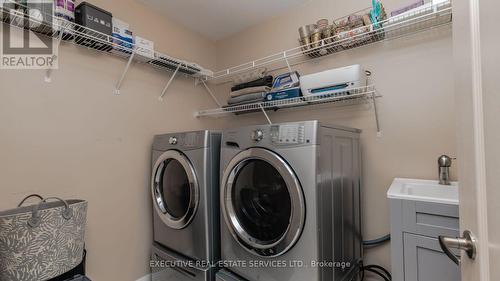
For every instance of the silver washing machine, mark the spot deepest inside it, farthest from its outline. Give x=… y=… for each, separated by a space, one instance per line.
x=290 y=202
x=225 y=275
x=169 y=266
x=185 y=193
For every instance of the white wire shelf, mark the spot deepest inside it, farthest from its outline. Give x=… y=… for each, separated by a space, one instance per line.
x=418 y=20
x=350 y=97
x=15 y=14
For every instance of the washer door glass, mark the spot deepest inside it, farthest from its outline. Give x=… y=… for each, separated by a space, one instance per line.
x=175 y=189
x=262 y=202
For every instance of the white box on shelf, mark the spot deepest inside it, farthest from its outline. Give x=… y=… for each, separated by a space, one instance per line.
x=339 y=80
x=144 y=48
x=123 y=40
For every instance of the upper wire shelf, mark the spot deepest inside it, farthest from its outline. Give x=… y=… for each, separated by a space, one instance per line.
x=17 y=15
x=415 y=21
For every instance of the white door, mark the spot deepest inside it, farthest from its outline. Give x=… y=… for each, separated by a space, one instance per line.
x=477 y=71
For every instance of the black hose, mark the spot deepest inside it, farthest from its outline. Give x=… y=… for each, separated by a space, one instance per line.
x=375 y=269
x=377 y=241
x=379 y=274
x=387 y=273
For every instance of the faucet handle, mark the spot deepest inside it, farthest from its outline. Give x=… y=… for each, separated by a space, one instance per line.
x=445 y=160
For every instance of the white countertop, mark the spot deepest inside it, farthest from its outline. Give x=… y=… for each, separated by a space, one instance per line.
x=423 y=190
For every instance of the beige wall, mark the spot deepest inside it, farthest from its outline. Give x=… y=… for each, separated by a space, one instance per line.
x=413 y=74
x=75 y=138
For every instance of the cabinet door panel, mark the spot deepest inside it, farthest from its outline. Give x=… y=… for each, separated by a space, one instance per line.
x=424 y=260
x=430 y=219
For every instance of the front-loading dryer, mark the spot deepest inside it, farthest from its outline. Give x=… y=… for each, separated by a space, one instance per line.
x=185 y=189
x=290 y=202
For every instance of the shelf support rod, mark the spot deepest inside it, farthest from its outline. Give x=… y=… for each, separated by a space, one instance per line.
x=287 y=62
x=169 y=82
x=377 y=122
x=265 y=114
x=211 y=93
x=119 y=84
x=48 y=73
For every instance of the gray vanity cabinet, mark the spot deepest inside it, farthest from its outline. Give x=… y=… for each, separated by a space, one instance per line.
x=415 y=251
x=424 y=260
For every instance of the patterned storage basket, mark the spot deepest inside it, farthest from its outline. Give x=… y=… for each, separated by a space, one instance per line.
x=41 y=241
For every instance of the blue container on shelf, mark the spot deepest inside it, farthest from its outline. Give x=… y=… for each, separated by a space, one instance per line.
x=284 y=94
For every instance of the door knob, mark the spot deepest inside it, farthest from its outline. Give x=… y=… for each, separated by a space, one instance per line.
x=466 y=243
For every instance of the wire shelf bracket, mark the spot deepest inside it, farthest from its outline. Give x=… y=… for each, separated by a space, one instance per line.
x=375 y=111
x=287 y=62
x=124 y=73
x=265 y=114
x=48 y=73
x=211 y=93
x=160 y=98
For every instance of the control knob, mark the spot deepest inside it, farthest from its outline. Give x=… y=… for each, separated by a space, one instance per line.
x=172 y=140
x=257 y=135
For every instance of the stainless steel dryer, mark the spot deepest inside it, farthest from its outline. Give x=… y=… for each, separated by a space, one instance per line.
x=185 y=189
x=290 y=201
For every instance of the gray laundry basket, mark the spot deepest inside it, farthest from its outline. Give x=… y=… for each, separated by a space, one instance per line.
x=41 y=241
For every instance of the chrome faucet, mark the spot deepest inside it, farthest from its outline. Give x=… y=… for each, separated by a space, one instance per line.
x=444 y=164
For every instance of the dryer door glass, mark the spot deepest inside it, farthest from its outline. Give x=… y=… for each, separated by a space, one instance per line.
x=175 y=189
x=262 y=201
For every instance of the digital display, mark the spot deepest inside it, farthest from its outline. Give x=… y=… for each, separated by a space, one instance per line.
x=288 y=134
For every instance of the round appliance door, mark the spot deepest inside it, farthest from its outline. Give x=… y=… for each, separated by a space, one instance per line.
x=174 y=189
x=262 y=202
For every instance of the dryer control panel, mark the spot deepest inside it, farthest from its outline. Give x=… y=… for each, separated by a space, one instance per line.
x=187 y=140
x=288 y=134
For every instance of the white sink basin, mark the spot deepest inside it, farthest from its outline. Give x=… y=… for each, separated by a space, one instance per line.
x=423 y=190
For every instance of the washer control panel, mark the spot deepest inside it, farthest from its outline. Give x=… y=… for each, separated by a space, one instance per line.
x=288 y=134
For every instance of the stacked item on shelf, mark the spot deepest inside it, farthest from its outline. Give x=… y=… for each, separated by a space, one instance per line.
x=407 y=8
x=144 y=49
x=251 y=88
x=416 y=17
x=65 y=17
x=123 y=40
x=285 y=87
x=98 y=23
x=337 y=82
x=251 y=91
x=49 y=18
x=357 y=29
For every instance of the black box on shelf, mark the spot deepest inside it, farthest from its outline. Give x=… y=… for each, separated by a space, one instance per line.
x=97 y=27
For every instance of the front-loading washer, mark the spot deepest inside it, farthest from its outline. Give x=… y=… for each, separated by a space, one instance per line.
x=290 y=202
x=184 y=190
x=225 y=275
